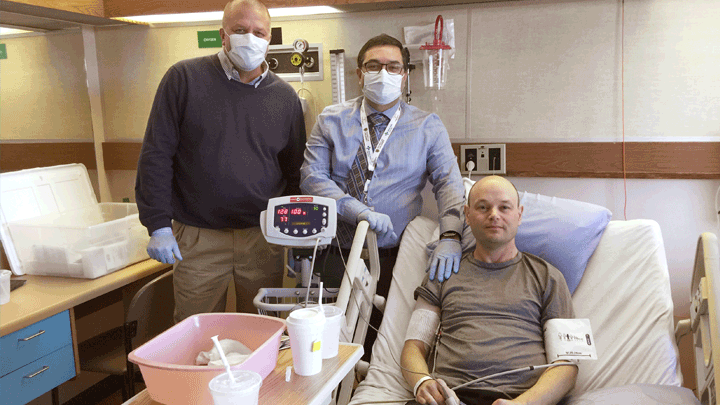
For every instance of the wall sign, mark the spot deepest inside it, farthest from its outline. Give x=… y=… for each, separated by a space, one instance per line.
x=3 y=51
x=209 y=39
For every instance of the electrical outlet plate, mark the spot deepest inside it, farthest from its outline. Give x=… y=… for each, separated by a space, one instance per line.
x=278 y=58
x=488 y=158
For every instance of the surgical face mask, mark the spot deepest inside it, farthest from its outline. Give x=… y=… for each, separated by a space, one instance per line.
x=382 y=87
x=247 y=51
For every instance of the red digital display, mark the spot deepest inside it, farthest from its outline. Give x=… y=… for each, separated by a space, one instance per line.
x=297 y=219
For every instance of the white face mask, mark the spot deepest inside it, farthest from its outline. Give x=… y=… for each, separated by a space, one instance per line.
x=382 y=88
x=247 y=51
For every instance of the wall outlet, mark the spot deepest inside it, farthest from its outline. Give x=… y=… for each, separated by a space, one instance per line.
x=485 y=158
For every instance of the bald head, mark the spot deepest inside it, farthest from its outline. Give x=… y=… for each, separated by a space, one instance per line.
x=492 y=180
x=232 y=8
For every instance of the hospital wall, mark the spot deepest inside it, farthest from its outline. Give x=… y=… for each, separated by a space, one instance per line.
x=540 y=71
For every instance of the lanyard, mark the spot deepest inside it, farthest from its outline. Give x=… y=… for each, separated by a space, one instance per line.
x=372 y=155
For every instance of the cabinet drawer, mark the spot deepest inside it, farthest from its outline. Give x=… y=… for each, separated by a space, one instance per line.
x=38 y=377
x=30 y=343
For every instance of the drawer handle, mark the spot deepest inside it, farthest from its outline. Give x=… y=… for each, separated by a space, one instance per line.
x=33 y=336
x=33 y=375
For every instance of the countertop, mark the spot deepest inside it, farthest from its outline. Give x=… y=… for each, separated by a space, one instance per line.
x=44 y=296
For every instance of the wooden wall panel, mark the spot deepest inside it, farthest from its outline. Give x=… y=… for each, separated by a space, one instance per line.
x=87 y=7
x=121 y=155
x=18 y=156
x=126 y=8
x=644 y=160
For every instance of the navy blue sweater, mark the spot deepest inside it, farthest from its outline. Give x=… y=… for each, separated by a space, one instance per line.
x=216 y=150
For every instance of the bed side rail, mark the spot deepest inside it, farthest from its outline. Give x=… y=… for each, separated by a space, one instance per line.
x=705 y=317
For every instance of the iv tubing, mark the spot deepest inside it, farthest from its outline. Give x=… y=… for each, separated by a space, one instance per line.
x=517 y=370
x=312 y=266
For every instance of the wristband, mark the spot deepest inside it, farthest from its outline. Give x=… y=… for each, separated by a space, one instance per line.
x=420 y=381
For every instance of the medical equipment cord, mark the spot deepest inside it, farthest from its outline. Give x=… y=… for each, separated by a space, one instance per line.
x=717 y=208
x=312 y=266
x=437 y=341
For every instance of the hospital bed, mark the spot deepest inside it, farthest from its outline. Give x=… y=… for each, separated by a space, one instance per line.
x=705 y=317
x=624 y=290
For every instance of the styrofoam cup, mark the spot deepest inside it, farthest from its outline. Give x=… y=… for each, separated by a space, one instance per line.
x=245 y=390
x=305 y=327
x=331 y=332
x=5 y=286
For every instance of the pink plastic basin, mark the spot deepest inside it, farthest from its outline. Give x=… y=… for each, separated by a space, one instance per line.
x=167 y=361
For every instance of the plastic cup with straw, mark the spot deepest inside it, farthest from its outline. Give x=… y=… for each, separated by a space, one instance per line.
x=234 y=386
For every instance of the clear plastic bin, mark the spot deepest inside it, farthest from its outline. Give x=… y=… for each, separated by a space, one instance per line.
x=88 y=242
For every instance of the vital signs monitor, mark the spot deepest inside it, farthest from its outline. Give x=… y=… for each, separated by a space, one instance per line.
x=298 y=221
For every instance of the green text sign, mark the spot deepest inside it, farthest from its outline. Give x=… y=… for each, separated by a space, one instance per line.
x=209 y=39
x=3 y=51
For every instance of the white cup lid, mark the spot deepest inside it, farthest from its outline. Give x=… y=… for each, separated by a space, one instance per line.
x=244 y=380
x=306 y=316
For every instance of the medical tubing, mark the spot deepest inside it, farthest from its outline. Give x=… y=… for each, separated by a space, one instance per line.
x=517 y=370
x=312 y=266
x=717 y=208
x=352 y=291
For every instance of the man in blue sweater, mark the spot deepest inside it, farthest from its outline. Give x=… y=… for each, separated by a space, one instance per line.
x=224 y=135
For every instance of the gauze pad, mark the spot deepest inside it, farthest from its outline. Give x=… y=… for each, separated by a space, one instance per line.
x=569 y=339
x=423 y=325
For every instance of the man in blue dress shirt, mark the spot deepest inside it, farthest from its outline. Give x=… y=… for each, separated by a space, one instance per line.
x=374 y=155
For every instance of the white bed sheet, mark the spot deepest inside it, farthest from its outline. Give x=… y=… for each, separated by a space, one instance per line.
x=625 y=292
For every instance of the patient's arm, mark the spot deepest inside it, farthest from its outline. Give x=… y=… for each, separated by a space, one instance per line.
x=415 y=367
x=553 y=384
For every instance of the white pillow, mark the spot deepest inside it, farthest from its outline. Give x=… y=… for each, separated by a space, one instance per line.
x=563 y=232
x=626 y=294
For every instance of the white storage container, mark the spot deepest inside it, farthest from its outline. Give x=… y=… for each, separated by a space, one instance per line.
x=53 y=225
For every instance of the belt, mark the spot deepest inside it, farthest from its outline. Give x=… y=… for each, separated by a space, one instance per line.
x=365 y=255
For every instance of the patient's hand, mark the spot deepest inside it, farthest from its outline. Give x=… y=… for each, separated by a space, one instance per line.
x=433 y=392
x=506 y=402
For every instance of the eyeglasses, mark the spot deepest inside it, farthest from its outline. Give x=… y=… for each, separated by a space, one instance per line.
x=394 y=68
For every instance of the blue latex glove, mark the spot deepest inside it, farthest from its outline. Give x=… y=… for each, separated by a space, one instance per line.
x=390 y=239
x=445 y=259
x=379 y=223
x=163 y=246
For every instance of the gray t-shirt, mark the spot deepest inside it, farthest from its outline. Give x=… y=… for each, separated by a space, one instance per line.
x=492 y=316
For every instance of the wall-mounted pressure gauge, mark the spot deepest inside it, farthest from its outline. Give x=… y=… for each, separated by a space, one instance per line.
x=300 y=45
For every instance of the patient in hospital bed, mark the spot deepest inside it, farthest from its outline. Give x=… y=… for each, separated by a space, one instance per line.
x=492 y=314
x=617 y=273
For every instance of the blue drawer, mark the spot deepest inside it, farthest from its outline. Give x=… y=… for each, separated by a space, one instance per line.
x=29 y=344
x=42 y=375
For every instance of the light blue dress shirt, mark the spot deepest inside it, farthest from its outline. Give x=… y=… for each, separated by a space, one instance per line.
x=418 y=150
x=232 y=74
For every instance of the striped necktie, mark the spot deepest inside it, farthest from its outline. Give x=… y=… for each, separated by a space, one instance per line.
x=359 y=173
